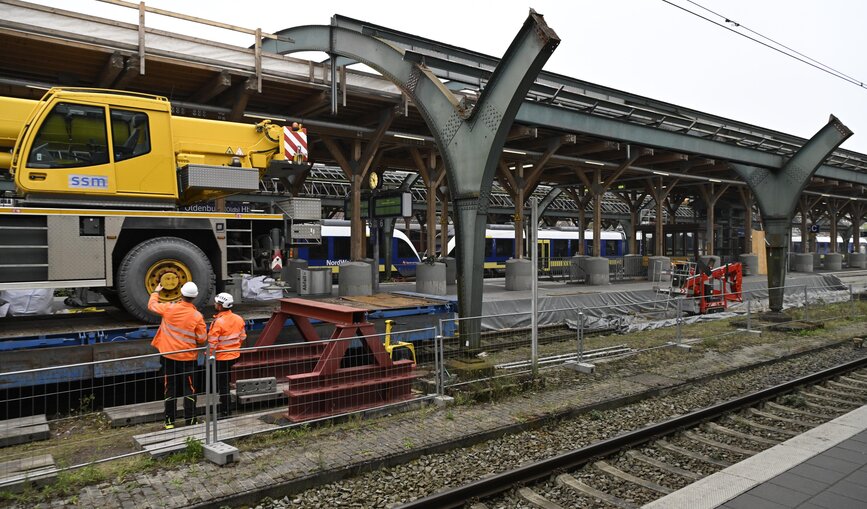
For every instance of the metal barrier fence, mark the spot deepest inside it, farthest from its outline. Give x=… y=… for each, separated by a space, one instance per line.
x=590 y=332
x=75 y=415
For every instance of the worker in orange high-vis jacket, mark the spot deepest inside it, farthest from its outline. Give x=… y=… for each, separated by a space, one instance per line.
x=225 y=337
x=182 y=328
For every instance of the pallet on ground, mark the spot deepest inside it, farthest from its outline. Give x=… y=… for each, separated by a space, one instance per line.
x=23 y=430
x=140 y=413
x=35 y=470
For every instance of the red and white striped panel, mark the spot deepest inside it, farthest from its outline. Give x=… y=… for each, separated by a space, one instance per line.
x=294 y=143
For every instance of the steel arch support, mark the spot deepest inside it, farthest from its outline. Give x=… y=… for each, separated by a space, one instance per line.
x=470 y=139
x=777 y=193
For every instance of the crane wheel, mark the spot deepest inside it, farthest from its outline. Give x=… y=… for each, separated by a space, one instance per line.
x=167 y=260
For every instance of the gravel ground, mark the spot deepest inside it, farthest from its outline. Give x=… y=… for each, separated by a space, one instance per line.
x=428 y=474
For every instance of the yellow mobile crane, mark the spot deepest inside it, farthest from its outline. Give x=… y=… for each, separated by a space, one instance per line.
x=101 y=177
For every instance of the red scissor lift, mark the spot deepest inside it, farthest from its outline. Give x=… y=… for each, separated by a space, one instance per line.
x=713 y=287
x=319 y=382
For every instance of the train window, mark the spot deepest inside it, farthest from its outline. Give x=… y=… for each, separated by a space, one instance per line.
x=404 y=250
x=342 y=248
x=129 y=134
x=72 y=135
x=505 y=248
x=317 y=251
x=489 y=247
x=611 y=248
x=560 y=248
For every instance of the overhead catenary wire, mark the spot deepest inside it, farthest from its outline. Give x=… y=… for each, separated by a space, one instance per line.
x=773 y=45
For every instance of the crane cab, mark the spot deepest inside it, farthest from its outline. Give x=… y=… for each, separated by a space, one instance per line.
x=93 y=143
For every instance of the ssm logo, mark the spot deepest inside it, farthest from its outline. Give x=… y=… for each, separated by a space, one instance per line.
x=88 y=182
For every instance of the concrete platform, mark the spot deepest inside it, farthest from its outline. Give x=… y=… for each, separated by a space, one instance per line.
x=825 y=467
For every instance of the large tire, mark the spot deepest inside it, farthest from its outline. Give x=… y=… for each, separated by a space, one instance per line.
x=130 y=278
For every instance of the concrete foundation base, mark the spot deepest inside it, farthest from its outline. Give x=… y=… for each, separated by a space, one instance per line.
x=712 y=261
x=451 y=270
x=817 y=261
x=657 y=264
x=355 y=279
x=221 y=453
x=290 y=272
x=597 y=270
x=632 y=265
x=430 y=278
x=803 y=262
x=581 y=367
x=833 y=261
x=857 y=260
x=679 y=347
x=577 y=270
x=519 y=274
x=442 y=401
x=749 y=264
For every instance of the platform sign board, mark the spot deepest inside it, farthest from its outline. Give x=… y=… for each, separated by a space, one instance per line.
x=365 y=206
x=392 y=204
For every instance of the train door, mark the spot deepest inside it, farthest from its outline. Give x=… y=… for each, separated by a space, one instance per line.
x=544 y=250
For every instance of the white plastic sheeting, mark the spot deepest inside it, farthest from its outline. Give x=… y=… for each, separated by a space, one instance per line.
x=27 y=302
x=256 y=288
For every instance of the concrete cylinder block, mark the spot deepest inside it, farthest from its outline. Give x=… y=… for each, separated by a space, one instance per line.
x=833 y=261
x=314 y=281
x=749 y=264
x=792 y=255
x=519 y=274
x=657 y=264
x=576 y=268
x=597 y=270
x=355 y=278
x=817 y=260
x=712 y=261
x=803 y=262
x=451 y=270
x=290 y=272
x=632 y=265
x=857 y=260
x=431 y=278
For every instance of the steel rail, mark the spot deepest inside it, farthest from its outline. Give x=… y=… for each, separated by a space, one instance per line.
x=500 y=483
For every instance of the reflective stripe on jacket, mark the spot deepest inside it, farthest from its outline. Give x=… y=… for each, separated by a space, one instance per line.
x=182 y=328
x=226 y=335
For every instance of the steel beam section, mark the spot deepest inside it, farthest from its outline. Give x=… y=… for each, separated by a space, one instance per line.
x=777 y=193
x=470 y=139
x=453 y=63
x=542 y=115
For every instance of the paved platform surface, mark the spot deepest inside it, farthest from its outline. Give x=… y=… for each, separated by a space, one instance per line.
x=824 y=468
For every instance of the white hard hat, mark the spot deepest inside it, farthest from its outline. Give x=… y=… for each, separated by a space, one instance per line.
x=190 y=290
x=224 y=299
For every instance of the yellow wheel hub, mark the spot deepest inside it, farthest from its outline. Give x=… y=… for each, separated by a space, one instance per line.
x=170 y=273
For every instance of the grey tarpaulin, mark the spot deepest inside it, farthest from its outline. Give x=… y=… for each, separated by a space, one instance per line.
x=632 y=310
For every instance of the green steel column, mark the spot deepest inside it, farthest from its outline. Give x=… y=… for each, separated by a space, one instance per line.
x=777 y=192
x=470 y=138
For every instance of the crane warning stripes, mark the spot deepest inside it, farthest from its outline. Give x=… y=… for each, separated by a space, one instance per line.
x=295 y=143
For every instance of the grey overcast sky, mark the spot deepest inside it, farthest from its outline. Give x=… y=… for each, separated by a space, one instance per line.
x=646 y=47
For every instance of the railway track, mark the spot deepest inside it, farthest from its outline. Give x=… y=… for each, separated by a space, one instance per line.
x=636 y=468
